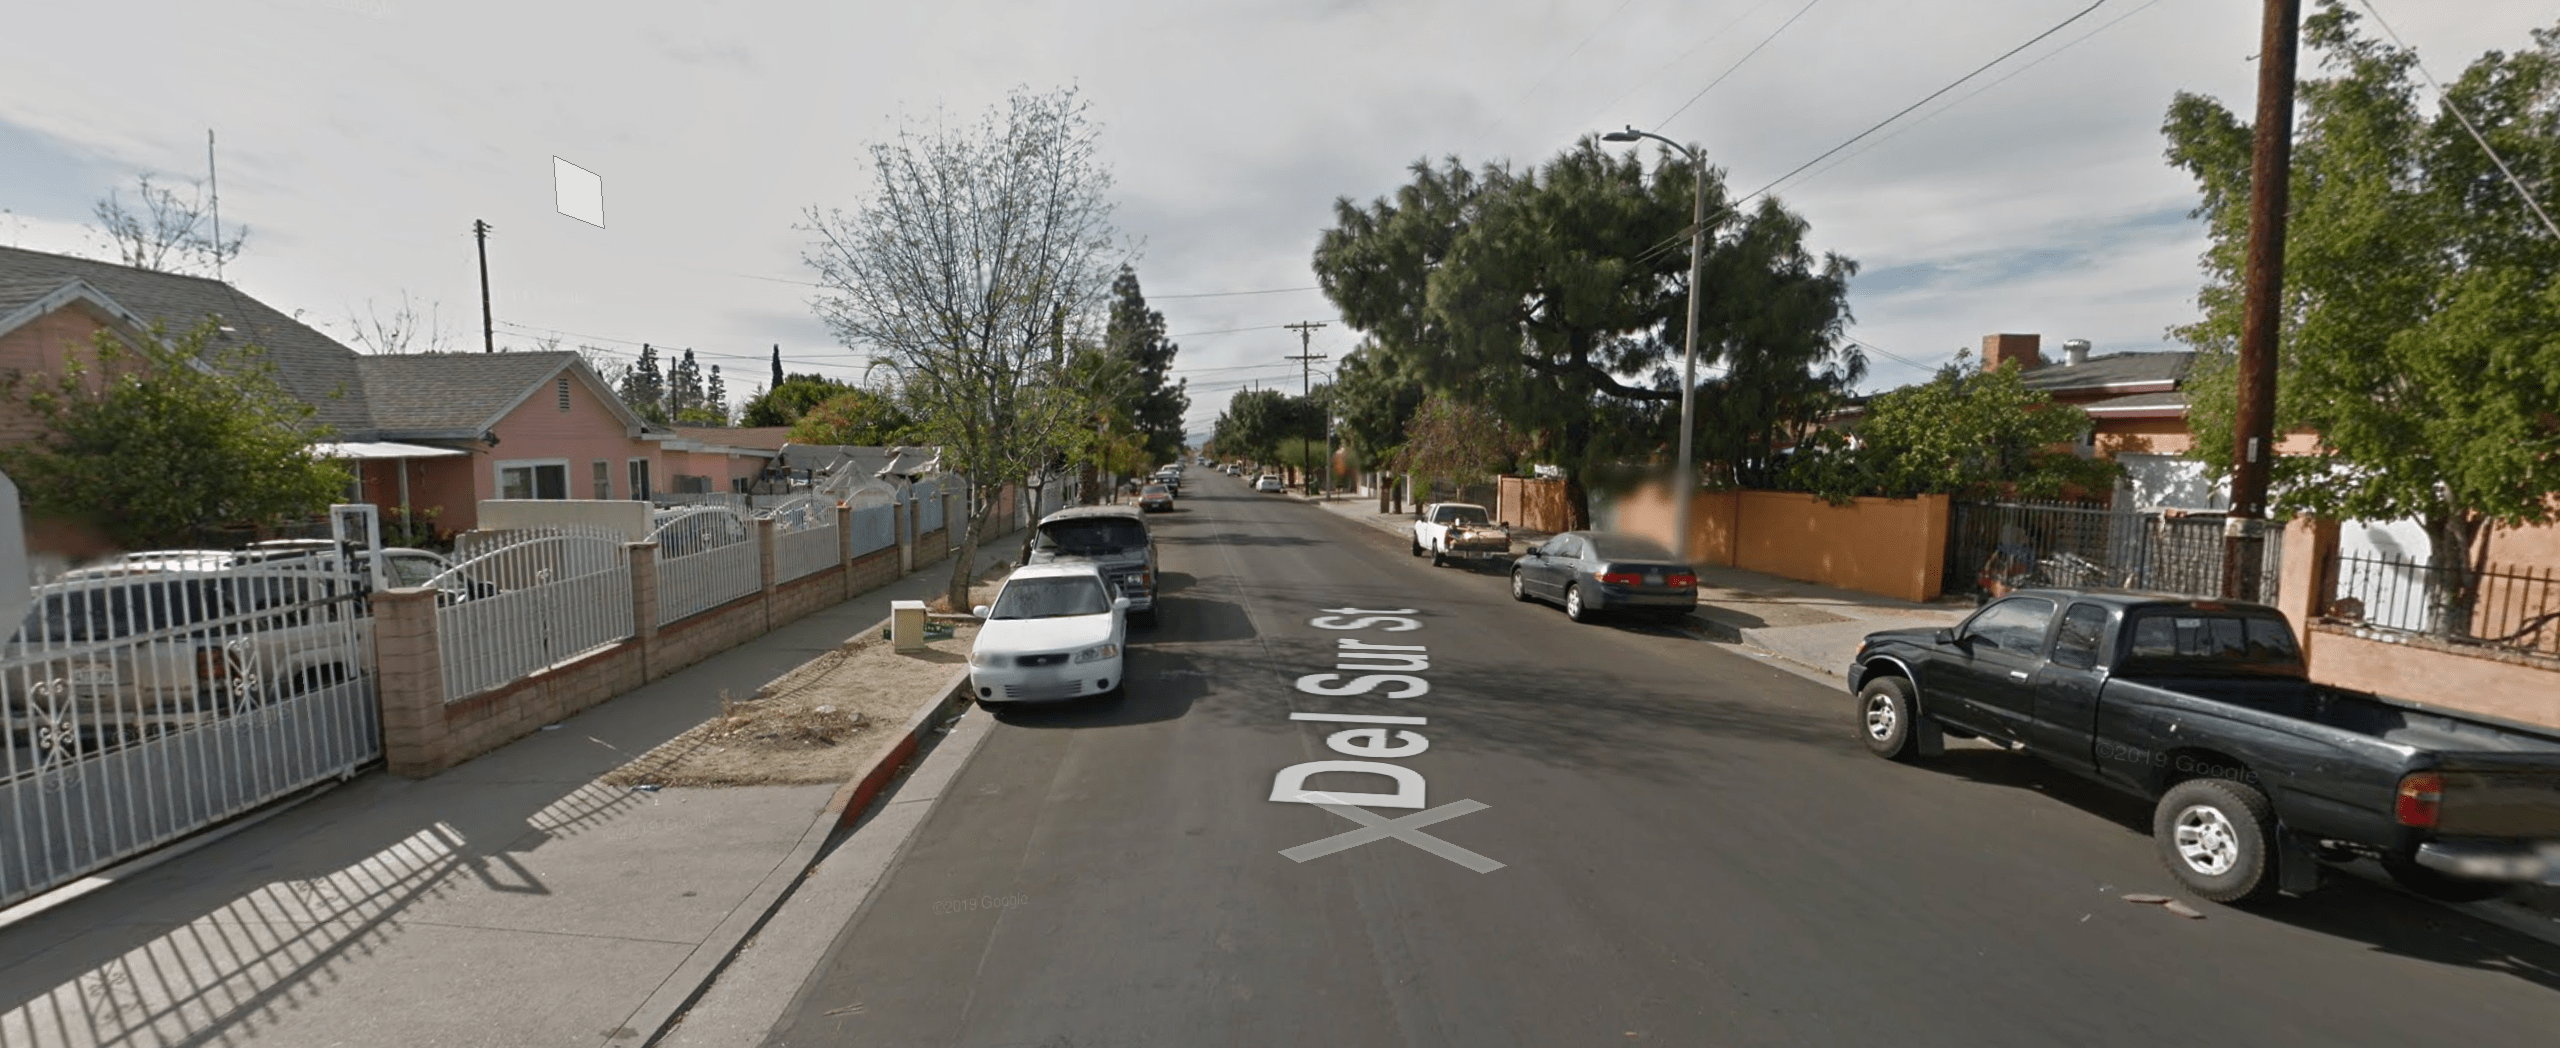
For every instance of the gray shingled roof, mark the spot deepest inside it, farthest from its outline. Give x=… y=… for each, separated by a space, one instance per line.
x=2112 y=369
x=455 y=394
x=311 y=365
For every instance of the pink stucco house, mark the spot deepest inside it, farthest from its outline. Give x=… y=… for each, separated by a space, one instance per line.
x=428 y=434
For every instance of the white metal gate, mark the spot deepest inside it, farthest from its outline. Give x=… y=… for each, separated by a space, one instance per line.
x=532 y=598
x=153 y=696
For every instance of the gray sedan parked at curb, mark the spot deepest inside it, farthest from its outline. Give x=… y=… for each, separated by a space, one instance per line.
x=1596 y=572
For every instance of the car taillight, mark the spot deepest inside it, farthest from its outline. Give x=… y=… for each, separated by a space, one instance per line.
x=1620 y=578
x=2421 y=798
x=1684 y=581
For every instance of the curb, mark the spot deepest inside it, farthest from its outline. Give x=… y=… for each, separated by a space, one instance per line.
x=658 y=1015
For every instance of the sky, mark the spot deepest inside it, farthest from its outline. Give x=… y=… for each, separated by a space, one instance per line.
x=358 y=140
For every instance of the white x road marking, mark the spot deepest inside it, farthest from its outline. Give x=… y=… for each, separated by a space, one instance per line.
x=1407 y=829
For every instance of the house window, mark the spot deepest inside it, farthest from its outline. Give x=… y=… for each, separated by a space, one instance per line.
x=564 y=392
x=604 y=479
x=640 y=480
x=534 y=479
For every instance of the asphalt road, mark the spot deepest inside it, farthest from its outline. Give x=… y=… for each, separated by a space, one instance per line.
x=1695 y=851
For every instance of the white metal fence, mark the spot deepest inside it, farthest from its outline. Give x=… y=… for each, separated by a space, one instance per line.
x=533 y=598
x=805 y=539
x=706 y=558
x=148 y=699
x=929 y=512
x=874 y=528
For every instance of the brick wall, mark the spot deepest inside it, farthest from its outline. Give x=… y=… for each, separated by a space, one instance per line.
x=423 y=734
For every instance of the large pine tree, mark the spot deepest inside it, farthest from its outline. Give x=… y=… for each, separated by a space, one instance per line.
x=1137 y=335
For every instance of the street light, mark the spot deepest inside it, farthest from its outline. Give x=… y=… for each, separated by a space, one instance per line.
x=1684 y=487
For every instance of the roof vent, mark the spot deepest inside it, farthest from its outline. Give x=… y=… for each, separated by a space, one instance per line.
x=2075 y=352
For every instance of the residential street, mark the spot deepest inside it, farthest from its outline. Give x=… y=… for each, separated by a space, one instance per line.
x=1695 y=850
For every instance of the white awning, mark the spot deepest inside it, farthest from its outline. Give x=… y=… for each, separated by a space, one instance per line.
x=382 y=450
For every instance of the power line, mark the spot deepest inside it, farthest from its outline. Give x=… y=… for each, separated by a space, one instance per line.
x=1668 y=66
x=1587 y=38
x=1979 y=92
x=1231 y=294
x=1959 y=81
x=1737 y=64
x=2447 y=98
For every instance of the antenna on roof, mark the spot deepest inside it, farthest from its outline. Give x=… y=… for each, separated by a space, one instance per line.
x=213 y=181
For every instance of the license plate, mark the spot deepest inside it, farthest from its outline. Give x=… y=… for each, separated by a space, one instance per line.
x=1653 y=580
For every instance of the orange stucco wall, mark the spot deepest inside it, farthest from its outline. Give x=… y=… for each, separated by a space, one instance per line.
x=2517 y=689
x=1891 y=547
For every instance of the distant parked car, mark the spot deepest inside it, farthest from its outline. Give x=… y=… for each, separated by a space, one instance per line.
x=1267 y=482
x=1155 y=498
x=1056 y=631
x=1596 y=572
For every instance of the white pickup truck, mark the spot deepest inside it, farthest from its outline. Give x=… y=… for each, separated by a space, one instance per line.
x=1459 y=531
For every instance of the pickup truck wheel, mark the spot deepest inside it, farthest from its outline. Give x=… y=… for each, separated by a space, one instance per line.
x=2217 y=837
x=1885 y=713
x=1439 y=559
x=1417 y=547
x=2441 y=886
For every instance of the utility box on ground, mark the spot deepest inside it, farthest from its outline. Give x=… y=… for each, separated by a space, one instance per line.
x=906 y=625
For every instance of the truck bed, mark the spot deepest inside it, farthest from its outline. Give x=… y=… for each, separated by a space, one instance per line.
x=2368 y=715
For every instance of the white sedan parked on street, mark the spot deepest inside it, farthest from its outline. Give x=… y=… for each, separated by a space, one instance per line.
x=1056 y=631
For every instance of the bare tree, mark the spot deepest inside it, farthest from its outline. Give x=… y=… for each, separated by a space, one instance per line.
x=404 y=331
x=168 y=234
x=987 y=251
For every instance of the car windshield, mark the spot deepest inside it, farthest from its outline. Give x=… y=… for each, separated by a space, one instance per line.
x=1463 y=515
x=1049 y=598
x=107 y=613
x=1157 y=489
x=1092 y=536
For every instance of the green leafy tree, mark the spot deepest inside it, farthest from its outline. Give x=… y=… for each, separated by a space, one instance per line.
x=2420 y=324
x=1558 y=298
x=150 y=442
x=1375 y=395
x=684 y=386
x=1967 y=432
x=1136 y=334
x=789 y=399
x=983 y=256
x=644 y=387
x=855 y=417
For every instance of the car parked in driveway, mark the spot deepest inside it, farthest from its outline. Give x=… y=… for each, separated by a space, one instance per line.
x=1592 y=573
x=1055 y=632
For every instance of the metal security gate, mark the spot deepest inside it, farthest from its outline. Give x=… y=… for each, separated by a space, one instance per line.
x=155 y=696
x=2017 y=544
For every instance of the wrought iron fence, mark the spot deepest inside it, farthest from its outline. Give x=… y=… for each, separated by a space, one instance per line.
x=146 y=699
x=706 y=558
x=805 y=539
x=2516 y=609
x=534 y=598
x=2014 y=544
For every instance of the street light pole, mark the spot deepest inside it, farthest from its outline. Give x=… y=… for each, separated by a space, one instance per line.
x=1684 y=483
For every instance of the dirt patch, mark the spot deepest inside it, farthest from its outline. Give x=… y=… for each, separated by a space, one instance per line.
x=823 y=722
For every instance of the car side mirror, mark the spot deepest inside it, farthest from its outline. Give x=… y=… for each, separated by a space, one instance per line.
x=1120 y=603
x=1945 y=636
x=979 y=611
x=1504 y=525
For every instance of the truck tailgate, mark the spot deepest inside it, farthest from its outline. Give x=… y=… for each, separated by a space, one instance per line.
x=2511 y=795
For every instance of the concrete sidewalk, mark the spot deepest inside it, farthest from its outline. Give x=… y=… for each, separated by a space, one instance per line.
x=513 y=900
x=1815 y=627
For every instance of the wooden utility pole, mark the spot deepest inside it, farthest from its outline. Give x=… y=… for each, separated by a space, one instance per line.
x=2253 y=429
x=1307 y=356
x=488 y=327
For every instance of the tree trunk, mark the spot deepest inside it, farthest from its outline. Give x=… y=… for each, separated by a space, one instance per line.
x=967 y=554
x=2452 y=535
x=1577 y=503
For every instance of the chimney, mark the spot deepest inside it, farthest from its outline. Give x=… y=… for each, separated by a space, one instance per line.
x=2024 y=350
x=2075 y=352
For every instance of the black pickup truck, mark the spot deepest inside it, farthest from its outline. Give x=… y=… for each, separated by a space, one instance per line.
x=2206 y=708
